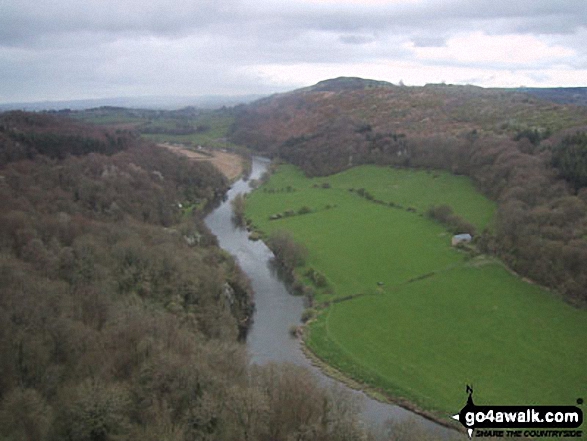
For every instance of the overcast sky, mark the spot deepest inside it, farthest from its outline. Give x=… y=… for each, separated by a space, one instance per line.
x=73 y=49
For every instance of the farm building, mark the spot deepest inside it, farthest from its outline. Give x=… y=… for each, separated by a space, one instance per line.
x=461 y=238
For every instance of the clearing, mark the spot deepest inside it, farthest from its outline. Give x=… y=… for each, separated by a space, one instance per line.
x=230 y=164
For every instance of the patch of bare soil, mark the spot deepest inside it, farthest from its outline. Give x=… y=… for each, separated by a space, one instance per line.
x=229 y=164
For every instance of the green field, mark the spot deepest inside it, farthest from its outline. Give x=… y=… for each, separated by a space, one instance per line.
x=217 y=126
x=427 y=318
x=357 y=243
x=158 y=126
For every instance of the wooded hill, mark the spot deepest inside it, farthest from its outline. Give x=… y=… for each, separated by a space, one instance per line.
x=119 y=315
x=561 y=95
x=519 y=150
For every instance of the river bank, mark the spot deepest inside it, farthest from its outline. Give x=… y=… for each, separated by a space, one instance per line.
x=277 y=310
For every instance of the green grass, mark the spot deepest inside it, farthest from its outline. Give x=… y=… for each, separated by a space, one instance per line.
x=423 y=339
x=108 y=119
x=420 y=189
x=213 y=137
x=217 y=124
x=358 y=243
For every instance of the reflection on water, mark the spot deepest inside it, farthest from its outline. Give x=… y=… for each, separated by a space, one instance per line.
x=277 y=310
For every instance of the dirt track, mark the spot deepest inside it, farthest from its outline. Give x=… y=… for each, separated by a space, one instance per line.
x=229 y=164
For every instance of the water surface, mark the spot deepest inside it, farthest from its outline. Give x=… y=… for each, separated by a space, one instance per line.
x=276 y=310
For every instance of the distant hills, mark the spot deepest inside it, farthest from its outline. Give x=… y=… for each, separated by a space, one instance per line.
x=561 y=95
x=347 y=83
x=148 y=102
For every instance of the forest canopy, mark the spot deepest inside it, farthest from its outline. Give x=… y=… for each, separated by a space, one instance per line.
x=120 y=317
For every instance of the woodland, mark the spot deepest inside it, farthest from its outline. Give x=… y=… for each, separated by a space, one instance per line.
x=120 y=317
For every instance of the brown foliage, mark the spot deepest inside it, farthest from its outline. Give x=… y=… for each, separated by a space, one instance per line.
x=118 y=321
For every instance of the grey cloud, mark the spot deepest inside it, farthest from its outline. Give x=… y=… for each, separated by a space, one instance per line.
x=111 y=71
x=356 y=39
x=107 y=46
x=428 y=41
x=26 y=21
x=533 y=16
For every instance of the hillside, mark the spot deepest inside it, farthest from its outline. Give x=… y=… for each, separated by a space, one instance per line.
x=366 y=120
x=346 y=83
x=120 y=317
x=561 y=95
x=519 y=150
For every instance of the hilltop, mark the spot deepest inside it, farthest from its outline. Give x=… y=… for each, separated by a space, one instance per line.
x=346 y=83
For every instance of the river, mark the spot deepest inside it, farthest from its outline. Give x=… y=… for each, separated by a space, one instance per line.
x=276 y=310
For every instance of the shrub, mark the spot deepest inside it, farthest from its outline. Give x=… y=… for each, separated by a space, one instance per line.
x=454 y=223
x=294 y=331
x=238 y=209
x=289 y=253
x=317 y=278
x=308 y=314
x=441 y=213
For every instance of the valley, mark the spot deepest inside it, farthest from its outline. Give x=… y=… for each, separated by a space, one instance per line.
x=402 y=311
x=368 y=185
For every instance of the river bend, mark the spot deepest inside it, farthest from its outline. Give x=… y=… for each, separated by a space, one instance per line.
x=276 y=310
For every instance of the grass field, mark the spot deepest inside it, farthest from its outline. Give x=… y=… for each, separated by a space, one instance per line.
x=215 y=124
x=357 y=243
x=215 y=135
x=422 y=338
x=483 y=326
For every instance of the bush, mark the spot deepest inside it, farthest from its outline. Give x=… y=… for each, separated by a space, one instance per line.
x=298 y=286
x=289 y=253
x=238 y=210
x=441 y=213
x=320 y=280
x=454 y=223
x=364 y=193
x=308 y=314
x=317 y=278
x=294 y=331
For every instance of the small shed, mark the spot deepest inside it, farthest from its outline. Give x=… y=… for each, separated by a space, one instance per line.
x=461 y=238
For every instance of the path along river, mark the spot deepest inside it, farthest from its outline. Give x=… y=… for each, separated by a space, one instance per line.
x=276 y=310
